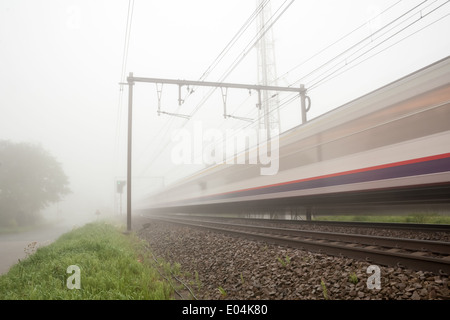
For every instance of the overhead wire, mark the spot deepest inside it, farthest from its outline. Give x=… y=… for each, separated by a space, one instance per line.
x=357 y=44
x=283 y=103
x=253 y=42
x=292 y=98
x=235 y=63
x=355 y=65
x=127 y=39
x=335 y=42
x=122 y=73
x=222 y=124
x=422 y=16
x=347 y=59
x=233 y=41
x=163 y=132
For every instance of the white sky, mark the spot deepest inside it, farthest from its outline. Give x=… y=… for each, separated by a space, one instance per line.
x=61 y=61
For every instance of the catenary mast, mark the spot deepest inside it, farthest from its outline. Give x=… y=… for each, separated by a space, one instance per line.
x=268 y=113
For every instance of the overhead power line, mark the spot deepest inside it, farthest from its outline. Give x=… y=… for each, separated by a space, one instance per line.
x=367 y=38
x=165 y=129
x=349 y=64
x=275 y=17
x=253 y=42
x=336 y=42
x=233 y=41
x=126 y=45
x=423 y=15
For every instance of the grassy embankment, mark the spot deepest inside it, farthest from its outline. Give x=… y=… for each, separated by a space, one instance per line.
x=112 y=266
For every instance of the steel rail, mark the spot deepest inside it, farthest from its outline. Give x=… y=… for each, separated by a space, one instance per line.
x=381 y=225
x=440 y=247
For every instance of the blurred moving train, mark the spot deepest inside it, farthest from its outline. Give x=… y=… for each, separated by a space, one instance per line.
x=387 y=149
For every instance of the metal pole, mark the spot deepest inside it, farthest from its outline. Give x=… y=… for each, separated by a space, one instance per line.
x=308 y=213
x=213 y=84
x=303 y=101
x=130 y=131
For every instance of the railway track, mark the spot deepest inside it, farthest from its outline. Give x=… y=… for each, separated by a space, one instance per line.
x=418 y=227
x=423 y=255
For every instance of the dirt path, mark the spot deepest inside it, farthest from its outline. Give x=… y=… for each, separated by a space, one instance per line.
x=13 y=246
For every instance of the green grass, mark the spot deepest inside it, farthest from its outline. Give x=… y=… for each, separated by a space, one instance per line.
x=324 y=289
x=222 y=292
x=112 y=266
x=284 y=262
x=430 y=218
x=353 y=278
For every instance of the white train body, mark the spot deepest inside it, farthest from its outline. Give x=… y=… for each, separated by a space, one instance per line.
x=390 y=146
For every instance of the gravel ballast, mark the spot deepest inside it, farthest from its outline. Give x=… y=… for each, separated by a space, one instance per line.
x=230 y=267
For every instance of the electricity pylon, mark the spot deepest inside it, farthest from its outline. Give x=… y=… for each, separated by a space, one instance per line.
x=268 y=112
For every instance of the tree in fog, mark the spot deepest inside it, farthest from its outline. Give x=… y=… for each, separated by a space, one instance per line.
x=30 y=180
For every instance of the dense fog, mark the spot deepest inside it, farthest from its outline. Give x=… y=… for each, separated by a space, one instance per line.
x=62 y=63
